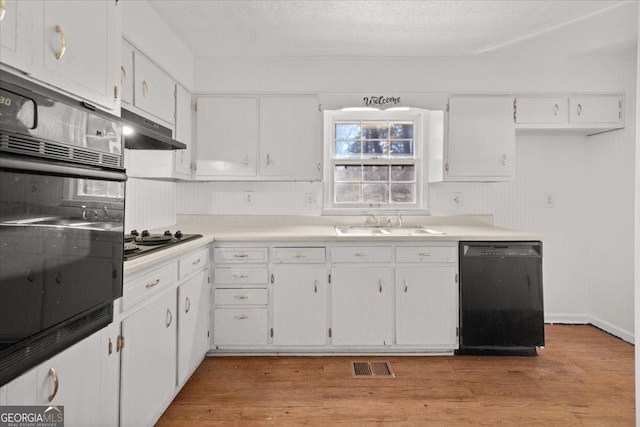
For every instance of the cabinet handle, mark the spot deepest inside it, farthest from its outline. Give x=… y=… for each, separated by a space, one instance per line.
x=406 y=286
x=425 y=254
x=246 y=160
x=123 y=74
x=299 y=256
x=120 y=343
x=3 y=8
x=240 y=276
x=556 y=109
x=380 y=286
x=273 y=279
x=152 y=284
x=195 y=262
x=63 y=43
x=145 y=88
x=241 y=316
x=319 y=167
x=579 y=109
x=315 y=286
x=169 y=317
x=56 y=383
x=504 y=160
x=240 y=255
x=268 y=159
x=361 y=254
x=110 y=346
x=187 y=305
x=240 y=297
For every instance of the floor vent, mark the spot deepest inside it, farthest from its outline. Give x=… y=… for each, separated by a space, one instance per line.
x=376 y=369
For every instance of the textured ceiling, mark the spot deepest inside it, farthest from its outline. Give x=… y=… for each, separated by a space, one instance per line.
x=285 y=28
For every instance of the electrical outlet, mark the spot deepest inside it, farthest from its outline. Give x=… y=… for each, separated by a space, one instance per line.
x=310 y=200
x=248 y=197
x=549 y=200
x=457 y=199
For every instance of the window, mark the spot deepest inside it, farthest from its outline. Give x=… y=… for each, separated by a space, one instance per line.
x=373 y=160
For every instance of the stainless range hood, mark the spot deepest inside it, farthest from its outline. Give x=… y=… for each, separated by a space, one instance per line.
x=143 y=134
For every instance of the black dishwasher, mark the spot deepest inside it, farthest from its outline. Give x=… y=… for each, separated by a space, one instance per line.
x=501 y=307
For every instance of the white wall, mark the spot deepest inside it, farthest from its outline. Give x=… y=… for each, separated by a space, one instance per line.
x=637 y=223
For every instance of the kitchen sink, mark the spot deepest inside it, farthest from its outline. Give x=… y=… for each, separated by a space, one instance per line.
x=348 y=230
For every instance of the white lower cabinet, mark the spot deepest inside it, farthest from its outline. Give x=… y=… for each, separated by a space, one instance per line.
x=425 y=306
x=299 y=304
x=360 y=303
x=246 y=326
x=148 y=361
x=193 y=324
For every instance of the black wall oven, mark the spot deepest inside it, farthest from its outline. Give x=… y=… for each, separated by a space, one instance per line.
x=61 y=222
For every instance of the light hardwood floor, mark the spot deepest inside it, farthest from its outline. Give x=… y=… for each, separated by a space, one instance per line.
x=582 y=377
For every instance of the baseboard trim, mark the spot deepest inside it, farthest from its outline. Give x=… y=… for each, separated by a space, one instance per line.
x=612 y=329
x=573 y=319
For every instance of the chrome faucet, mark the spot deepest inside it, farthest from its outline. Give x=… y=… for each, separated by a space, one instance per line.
x=106 y=212
x=398 y=221
x=374 y=218
x=91 y=213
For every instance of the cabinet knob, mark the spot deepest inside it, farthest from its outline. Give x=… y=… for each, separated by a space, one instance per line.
x=246 y=160
x=56 y=383
x=63 y=43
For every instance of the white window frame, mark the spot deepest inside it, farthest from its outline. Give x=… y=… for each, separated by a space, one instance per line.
x=420 y=161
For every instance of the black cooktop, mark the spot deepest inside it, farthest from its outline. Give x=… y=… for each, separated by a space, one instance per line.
x=144 y=243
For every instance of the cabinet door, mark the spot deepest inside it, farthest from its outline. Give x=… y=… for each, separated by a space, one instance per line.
x=531 y=110
x=481 y=139
x=154 y=90
x=360 y=298
x=77 y=372
x=425 y=306
x=20 y=391
x=227 y=136
x=126 y=73
x=290 y=137
x=595 y=109
x=148 y=361
x=184 y=116
x=299 y=305
x=18 y=33
x=193 y=324
x=81 y=48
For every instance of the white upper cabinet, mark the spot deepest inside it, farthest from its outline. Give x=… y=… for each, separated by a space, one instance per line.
x=541 y=110
x=17 y=33
x=290 y=137
x=227 y=136
x=184 y=118
x=81 y=49
x=126 y=73
x=596 y=109
x=154 y=90
x=481 y=139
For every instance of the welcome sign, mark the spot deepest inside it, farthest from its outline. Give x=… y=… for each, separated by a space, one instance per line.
x=380 y=101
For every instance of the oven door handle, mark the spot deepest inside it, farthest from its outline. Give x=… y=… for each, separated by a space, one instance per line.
x=61 y=170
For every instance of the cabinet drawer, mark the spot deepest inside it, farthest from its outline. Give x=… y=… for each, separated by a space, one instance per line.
x=193 y=262
x=142 y=287
x=244 y=255
x=298 y=255
x=237 y=326
x=240 y=275
x=361 y=254
x=241 y=297
x=426 y=254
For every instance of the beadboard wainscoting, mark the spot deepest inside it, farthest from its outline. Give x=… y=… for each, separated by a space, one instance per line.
x=150 y=204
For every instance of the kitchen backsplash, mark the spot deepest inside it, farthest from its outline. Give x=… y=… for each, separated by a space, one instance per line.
x=149 y=204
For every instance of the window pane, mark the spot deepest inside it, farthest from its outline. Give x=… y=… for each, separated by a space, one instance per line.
x=375 y=149
x=375 y=130
x=403 y=173
x=347 y=193
x=347 y=131
x=375 y=193
x=376 y=173
x=402 y=130
x=348 y=173
x=402 y=149
x=348 y=149
x=403 y=193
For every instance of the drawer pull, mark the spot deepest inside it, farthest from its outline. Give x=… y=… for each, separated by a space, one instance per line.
x=152 y=284
x=299 y=256
x=240 y=276
x=425 y=254
x=63 y=43
x=240 y=297
x=56 y=383
x=196 y=262
x=187 y=305
x=380 y=286
x=361 y=254
x=315 y=286
x=240 y=255
x=169 y=317
x=406 y=286
x=241 y=316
